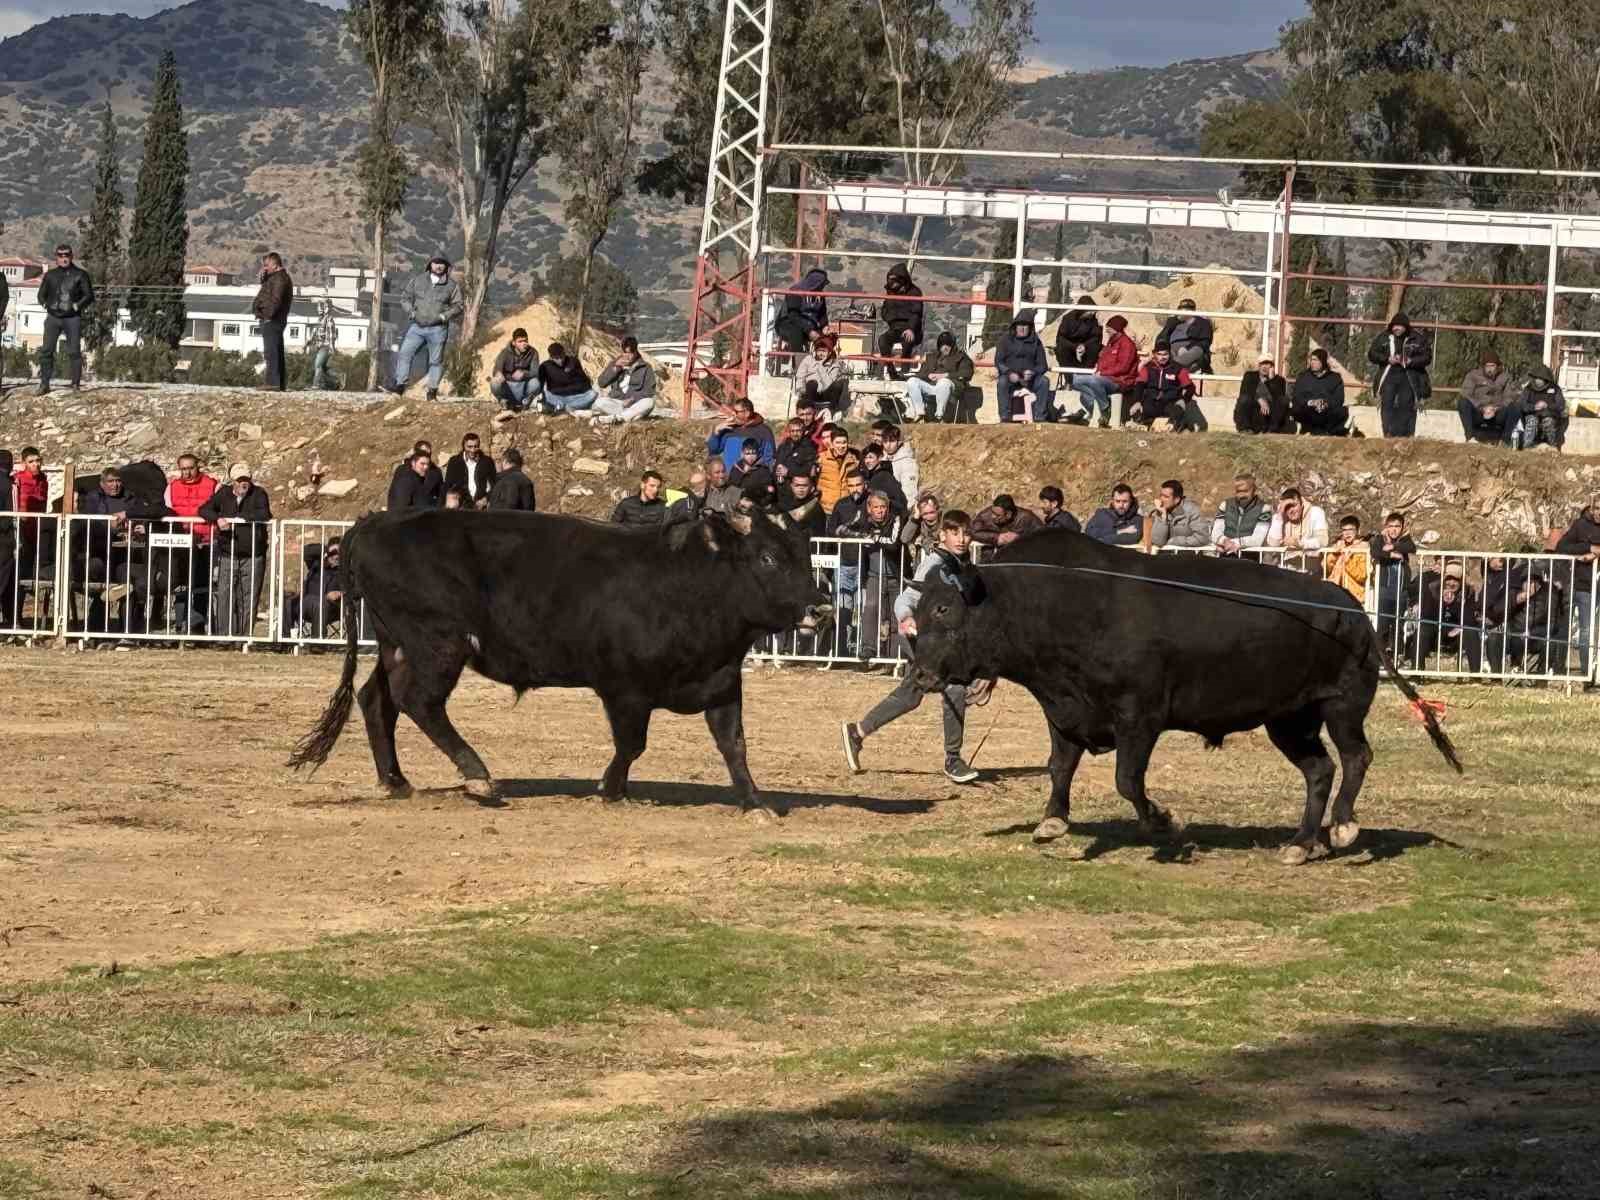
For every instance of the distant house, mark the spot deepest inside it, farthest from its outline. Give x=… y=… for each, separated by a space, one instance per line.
x=205 y=276
x=20 y=270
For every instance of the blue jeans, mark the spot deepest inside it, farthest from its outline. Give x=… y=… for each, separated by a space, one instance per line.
x=575 y=403
x=1005 y=394
x=933 y=399
x=1096 y=392
x=416 y=337
x=1583 y=609
x=517 y=394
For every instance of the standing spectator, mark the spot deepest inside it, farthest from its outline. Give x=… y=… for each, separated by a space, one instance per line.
x=433 y=481
x=512 y=489
x=922 y=534
x=1053 y=510
x=945 y=565
x=1319 y=399
x=802 y=318
x=36 y=538
x=1391 y=560
x=321 y=341
x=728 y=438
x=1488 y=405
x=471 y=473
x=241 y=513
x=902 y=319
x=5 y=302
x=1243 y=520
x=1544 y=410
x=430 y=301
x=880 y=477
x=410 y=488
x=1189 y=338
x=515 y=380
x=1297 y=525
x=1349 y=563
x=1020 y=366
x=565 y=384
x=878 y=525
x=632 y=384
x=750 y=476
x=902 y=460
x=823 y=378
x=1078 y=339
x=934 y=392
x=273 y=302
x=64 y=293
x=8 y=534
x=1002 y=523
x=646 y=507
x=1582 y=542
x=797 y=499
x=1162 y=396
x=1178 y=520
x=1400 y=383
x=835 y=468
x=1119 y=523
x=185 y=495
x=851 y=504
x=795 y=453
x=1114 y=371
x=1263 y=404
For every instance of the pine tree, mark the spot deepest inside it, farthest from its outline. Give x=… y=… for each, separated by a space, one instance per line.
x=100 y=238
x=159 y=238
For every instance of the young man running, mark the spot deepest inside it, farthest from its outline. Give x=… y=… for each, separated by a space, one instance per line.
x=942 y=563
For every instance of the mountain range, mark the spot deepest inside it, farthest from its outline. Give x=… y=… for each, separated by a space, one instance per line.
x=274 y=98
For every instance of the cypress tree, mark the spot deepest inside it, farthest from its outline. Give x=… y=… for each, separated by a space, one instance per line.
x=1001 y=279
x=101 y=238
x=159 y=238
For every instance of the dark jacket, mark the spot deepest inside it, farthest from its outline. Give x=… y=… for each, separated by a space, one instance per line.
x=1414 y=347
x=1189 y=339
x=812 y=310
x=320 y=578
x=1581 y=536
x=1478 y=390
x=729 y=443
x=1247 y=524
x=1247 y=416
x=427 y=304
x=1019 y=354
x=807 y=515
x=564 y=378
x=408 y=490
x=881 y=555
x=900 y=314
x=455 y=476
x=955 y=363
x=636 y=510
x=509 y=361
x=1106 y=526
x=1161 y=392
x=1542 y=387
x=1393 y=570
x=755 y=482
x=513 y=490
x=1064 y=520
x=1079 y=331
x=881 y=479
x=1332 y=421
x=986 y=528
x=238 y=541
x=796 y=456
x=274 y=297
x=5 y=296
x=65 y=291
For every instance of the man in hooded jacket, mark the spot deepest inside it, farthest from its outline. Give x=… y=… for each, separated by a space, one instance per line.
x=902 y=319
x=803 y=317
x=1020 y=366
x=431 y=301
x=1079 y=339
x=1401 y=355
x=1543 y=409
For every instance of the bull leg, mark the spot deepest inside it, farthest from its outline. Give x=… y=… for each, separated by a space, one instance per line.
x=379 y=710
x=630 y=727
x=1134 y=747
x=1300 y=740
x=726 y=722
x=1064 y=757
x=421 y=696
x=1349 y=736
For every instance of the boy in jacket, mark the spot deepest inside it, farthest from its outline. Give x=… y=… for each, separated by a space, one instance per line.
x=515 y=380
x=1391 y=550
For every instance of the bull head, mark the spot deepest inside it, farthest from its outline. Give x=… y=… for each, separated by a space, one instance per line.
x=938 y=639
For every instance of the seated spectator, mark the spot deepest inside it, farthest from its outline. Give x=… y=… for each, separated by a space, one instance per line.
x=1053 y=510
x=850 y=504
x=318 y=608
x=1400 y=356
x=566 y=385
x=797 y=499
x=242 y=513
x=729 y=437
x=1349 y=562
x=1263 y=404
x=1119 y=523
x=1444 y=619
x=512 y=489
x=1163 y=397
x=1318 y=402
x=720 y=495
x=802 y=318
x=1114 y=371
x=835 y=467
x=902 y=319
x=1582 y=542
x=1391 y=552
x=823 y=377
x=1488 y=405
x=471 y=473
x=1020 y=366
x=1189 y=338
x=1078 y=339
x=880 y=477
x=1001 y=524
x=795 y=453
x=1178 y=520
x=411 y=487
x=1544 y=410
x=922 y=534
x=934 y=392
x=1296 y=524
x=750 y=476
x=902 y=460
x=106 y=554
x=631 y=384
x=515 y=379
x=1528 y=627
x=1243 y=520
x=646 y=507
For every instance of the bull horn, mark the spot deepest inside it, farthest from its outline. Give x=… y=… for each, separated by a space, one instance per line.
x=778 y=519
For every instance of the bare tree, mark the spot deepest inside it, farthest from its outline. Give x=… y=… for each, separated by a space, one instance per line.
x=596 y=135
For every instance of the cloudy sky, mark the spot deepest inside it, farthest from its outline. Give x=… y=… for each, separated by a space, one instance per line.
x=1076 y=34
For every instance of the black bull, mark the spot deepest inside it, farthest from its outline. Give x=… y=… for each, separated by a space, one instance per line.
x=1118 y=648
x=648 y=618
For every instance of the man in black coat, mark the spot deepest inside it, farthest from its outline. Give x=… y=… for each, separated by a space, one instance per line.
x=1079 y=339
x=1189 y=338
x=107 y=554
x=646 y=507
x=1053 y=510
x=241 y=513
x=471 y=473
x=1318 y=400
x=65 y=294
x=1400 y=356
x=1263 y=404
x=512 y=489
x=411 y=486
x=902 y=319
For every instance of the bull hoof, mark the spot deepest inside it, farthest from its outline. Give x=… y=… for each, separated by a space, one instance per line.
x=399 y=789
x=1049 y=829
x=762 y=814
x=1344 y=836
x=483 y=789
x=1162 y=824
x=1293 y=855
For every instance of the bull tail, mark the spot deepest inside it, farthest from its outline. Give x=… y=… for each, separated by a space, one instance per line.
x=313 y=749
x=1441 y=739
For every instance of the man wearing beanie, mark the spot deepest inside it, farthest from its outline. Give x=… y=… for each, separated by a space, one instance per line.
x=1115 y=370
x=1488 y=405
x=431 y=301
x=1400 y=385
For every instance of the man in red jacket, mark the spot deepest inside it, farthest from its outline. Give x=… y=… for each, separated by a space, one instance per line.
x=183 y=577
x=1114 y=371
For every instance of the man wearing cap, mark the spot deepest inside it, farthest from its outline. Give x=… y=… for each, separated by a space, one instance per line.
x=1488 y=405
x=1114 y=371
x=431 y=301
x=241 y=513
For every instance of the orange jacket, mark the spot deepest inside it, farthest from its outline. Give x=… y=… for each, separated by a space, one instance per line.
x=830 y=476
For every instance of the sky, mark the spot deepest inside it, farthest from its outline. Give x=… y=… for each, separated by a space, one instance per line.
x=1077 y=35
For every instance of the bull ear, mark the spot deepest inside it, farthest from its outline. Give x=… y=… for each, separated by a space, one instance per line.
x=741 y=522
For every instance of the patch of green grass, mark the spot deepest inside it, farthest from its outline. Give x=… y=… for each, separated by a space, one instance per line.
x=18 y=1182
x=204 y=1133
